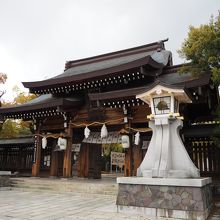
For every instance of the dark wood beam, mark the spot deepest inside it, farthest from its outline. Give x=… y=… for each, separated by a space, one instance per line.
x=37 y=154
x=67 y=162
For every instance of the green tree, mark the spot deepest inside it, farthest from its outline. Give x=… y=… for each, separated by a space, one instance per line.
x=21 y=97
x=9 y=129
x=14 y=128
x=3 y=78
x=202 y=49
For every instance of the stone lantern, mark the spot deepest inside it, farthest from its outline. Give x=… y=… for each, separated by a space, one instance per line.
x=166 y=156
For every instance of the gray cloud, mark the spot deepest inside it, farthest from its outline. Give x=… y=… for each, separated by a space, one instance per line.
x=38 y=37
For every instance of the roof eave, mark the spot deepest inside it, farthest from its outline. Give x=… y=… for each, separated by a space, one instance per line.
x=36 y=107
x=94 y=74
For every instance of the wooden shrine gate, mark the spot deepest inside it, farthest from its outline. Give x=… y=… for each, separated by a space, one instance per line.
x=205 y=155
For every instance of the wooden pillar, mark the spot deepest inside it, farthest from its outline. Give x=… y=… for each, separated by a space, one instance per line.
x=128 y=161
x=95 y=166
x=5 y=156
x=83 y=165
x=128 y=152
x=137 y=154
x=19 y=159
x=67 y=161
x=54 y=163
x=37 y=155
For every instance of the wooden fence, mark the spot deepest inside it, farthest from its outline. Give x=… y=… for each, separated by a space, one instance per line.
x=16 y=158
x=205 y=155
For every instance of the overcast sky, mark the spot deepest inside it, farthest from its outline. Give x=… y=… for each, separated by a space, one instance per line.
x=37 y=37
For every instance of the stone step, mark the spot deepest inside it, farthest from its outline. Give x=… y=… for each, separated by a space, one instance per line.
x=106 y=187
x=61 y=184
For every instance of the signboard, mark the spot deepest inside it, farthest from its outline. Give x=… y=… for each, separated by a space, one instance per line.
x=35 y=150
x=76 y=147
x=117 y=159
x=95 y=138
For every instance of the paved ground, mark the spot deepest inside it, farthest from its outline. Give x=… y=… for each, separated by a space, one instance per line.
x=19 y=205
x=34 y=205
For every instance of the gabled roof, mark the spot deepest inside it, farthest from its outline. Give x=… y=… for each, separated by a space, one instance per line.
x=170 y=78
x=40 y=103
x=159 y=45
x=86 y=69
x=16 y=141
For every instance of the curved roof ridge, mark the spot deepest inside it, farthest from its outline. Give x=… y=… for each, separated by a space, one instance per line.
x=88 y=68
x=152 y=46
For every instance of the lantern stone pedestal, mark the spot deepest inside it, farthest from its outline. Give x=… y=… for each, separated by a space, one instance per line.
x=165 y=197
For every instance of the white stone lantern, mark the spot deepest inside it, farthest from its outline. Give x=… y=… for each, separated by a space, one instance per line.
x=166 y=156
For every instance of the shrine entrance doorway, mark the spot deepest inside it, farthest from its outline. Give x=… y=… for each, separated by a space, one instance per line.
x=90 y=161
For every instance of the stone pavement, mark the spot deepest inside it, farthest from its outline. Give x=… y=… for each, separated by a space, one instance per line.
x=19 y=205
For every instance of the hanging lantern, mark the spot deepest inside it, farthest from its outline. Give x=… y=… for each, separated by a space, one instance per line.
x=62 y=142
x=125 y=141
x=125 y=119
x=44 y=142
x=86 y=132
x=137 y=138
x=104 y=131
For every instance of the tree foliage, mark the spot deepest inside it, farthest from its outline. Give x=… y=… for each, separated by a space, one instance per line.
x=3 y=78
x=202 y=49
x=9 y=129
x=14 y=128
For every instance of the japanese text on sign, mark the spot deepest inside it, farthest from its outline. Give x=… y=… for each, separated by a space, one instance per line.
x=117 y=158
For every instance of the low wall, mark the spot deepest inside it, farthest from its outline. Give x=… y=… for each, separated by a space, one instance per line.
x=180 y=201
x=4 y=181
x=5 y=178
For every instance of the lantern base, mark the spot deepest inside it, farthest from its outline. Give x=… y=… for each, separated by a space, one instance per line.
x=167 y=198
x=166 y=156
x=166 y=173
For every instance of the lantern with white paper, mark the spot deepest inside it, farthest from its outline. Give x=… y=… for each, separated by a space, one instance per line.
x=44 y=142
x=62 y=142
x=104 y=131
x=86 y=132
x=125 y=141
